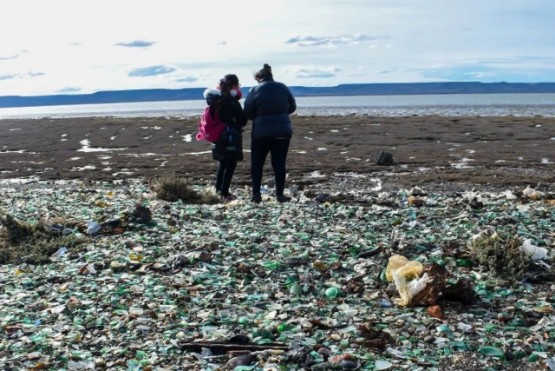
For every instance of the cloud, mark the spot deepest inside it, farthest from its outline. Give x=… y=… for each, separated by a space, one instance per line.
x=68 y=89
x=187 y=79
x=8 y=77
x=10 y=57
x=150 y=71
x=20 y=75
x=332 y=40
x=136 y=44
x=316 y=73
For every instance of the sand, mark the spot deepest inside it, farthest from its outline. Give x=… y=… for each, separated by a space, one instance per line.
x=434 y=151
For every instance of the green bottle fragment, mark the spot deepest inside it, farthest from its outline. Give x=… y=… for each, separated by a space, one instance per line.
x=243 y=320
x=383 y=276
x=533 y=357
x=492 y=352
x=271 y=264
x=332 y=292
x=282 y=327
x=295 y=290
x=464 y=262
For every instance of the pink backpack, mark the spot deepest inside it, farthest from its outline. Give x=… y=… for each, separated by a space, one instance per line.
x=210 y=128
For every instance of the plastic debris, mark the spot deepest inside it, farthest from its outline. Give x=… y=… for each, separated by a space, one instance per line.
x=405 y=275
x=533 y=251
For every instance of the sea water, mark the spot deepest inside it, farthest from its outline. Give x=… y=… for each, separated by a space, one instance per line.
x=520 y=105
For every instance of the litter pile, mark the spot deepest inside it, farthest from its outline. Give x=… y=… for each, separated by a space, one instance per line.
x=334 y=280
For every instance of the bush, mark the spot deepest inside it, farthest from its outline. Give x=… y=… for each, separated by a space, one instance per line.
x=21 y=242
x=501 y=256
x=173 y=188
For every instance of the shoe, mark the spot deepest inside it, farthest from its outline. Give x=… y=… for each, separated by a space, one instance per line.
x=282 y=198
x=256 y=198
x=228 y=198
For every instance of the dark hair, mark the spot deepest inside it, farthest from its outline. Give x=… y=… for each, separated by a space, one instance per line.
x=227 y=82
x=264 y=73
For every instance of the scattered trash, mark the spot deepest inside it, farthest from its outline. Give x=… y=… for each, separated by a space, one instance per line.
x=345 y=277
x=534 y=252
x=93 y=227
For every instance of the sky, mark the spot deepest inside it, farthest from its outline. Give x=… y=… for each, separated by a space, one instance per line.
x=83 y=46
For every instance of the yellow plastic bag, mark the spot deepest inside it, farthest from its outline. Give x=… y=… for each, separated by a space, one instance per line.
x=400 y=270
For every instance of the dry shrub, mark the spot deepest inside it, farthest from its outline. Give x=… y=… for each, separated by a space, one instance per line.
x=173 y=188
x=22 y=242
x=501 y=256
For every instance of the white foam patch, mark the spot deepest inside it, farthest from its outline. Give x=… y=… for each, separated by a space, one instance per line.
x=546 y=161
x=19 y=180
x=18 y=151
x=86 y=147
x=83 y=168
x=122 y=173
x=198 y=153
x=308 y=138
x=322 y=149
x=500 y=161
x=138 y=155
x=462 y=164
x=27 y=162
x=316 y=174
x=74 y=158
x=187 y=138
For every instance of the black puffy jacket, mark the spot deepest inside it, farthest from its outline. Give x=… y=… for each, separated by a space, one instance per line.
x=230 y=144
x=268 y=105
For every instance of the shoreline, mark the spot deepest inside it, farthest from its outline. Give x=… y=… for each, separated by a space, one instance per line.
x=437 y=151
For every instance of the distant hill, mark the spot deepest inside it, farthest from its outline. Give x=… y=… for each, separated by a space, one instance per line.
x=153 y=95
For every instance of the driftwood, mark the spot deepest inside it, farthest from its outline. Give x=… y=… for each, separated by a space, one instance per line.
x=217 y=347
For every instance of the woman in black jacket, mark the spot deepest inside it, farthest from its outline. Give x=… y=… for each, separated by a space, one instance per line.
x=228 y=149
x=268 y=105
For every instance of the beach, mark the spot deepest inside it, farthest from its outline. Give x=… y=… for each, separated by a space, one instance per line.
x=98 y=271
x=429 y=150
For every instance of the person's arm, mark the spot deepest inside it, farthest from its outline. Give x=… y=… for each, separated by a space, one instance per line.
x=241 y=120
x=249 y=109
x=292 y=102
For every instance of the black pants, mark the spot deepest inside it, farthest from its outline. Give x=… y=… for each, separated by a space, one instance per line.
x=226 y=169
x=278 y=149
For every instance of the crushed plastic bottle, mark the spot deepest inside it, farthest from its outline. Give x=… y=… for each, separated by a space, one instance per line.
x=58 y=254
x=92 y=227
x=536 y=253
x=400 y=270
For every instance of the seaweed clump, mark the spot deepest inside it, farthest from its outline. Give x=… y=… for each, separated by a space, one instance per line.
x=501 y=256
x=21 y=242
x=174 y=188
